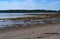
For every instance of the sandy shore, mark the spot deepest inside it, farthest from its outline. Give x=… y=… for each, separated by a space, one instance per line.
x=46 y=31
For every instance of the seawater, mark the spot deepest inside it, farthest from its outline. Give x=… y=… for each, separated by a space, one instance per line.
x=5 y=23
x=14 y=15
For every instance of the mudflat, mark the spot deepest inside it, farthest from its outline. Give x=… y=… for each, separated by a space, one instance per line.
x=42 y=31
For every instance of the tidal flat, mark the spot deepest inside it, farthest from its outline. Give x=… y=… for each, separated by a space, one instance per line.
x=33 y=27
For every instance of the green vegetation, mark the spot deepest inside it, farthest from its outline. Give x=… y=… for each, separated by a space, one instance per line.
x=26 y=11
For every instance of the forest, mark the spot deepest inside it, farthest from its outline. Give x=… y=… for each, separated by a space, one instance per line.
x=27 y=11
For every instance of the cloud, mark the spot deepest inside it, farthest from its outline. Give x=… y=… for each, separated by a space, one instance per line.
x=27 y=4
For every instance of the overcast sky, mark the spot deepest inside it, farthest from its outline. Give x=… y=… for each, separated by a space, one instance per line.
x=30 y=4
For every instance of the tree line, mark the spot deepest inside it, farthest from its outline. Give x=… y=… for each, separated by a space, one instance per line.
x=27 y=11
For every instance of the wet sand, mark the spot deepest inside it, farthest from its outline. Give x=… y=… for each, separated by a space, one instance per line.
x=46 y=31
x=38 y=31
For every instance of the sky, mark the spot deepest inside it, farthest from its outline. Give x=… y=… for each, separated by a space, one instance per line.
x=29 y=4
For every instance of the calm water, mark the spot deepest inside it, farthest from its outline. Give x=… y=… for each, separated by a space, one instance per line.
x=5 y=23
x=11 y=15
x=14 y=15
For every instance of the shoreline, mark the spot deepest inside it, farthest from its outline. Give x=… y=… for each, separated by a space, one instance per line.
x=20 y=27
x=47 y=21
x=32 y=32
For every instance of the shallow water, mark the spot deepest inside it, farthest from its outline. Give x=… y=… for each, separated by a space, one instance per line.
x=14 y=15
x=5 y=23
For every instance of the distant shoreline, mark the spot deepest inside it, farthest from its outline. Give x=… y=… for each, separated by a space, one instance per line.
x=27 y=11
